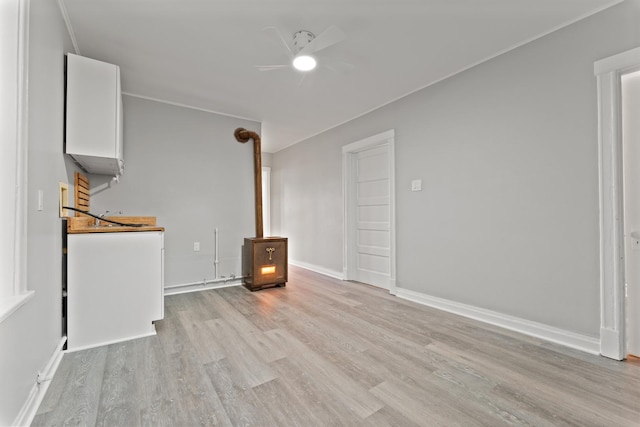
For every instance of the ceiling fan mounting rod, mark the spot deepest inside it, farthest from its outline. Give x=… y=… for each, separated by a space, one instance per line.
x=301 y=39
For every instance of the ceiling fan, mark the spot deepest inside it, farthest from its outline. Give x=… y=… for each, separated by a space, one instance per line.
x=304 y=45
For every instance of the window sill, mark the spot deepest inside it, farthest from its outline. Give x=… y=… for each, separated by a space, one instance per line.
x=11 y=304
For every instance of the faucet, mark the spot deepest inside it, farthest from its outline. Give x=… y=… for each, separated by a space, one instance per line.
x=104 y=214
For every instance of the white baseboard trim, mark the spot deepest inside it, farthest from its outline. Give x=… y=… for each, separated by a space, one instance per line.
x=39 y=389
x=317 y=269
x=539 y=330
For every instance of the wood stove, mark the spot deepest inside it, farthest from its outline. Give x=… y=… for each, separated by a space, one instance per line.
x=264 y=262
x=264 y=259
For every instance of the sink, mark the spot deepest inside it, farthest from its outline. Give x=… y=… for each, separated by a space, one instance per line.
x=91 y=225
x=106 y=224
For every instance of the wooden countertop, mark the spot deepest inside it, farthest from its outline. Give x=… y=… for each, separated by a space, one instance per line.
x=114 y=229
x=80 y=225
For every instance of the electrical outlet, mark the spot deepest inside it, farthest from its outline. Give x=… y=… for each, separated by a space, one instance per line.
x=416 y=185
x=635 y=244
x=196 y=246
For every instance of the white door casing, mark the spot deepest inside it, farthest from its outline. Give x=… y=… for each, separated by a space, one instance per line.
x=630 y=90
x=369 y=211
x=266 y=200
x=608 y=73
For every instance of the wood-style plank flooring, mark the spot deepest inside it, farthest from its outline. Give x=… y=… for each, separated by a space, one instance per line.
x=322 y=352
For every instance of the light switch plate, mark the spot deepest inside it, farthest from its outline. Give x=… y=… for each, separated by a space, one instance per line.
x=40 y=200
x=63 y=195
x=416 y=185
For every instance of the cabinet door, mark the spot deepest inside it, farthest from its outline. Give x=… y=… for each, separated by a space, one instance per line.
x=92 y=108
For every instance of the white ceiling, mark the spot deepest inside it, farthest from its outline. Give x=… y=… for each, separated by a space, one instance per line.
x=202 y=53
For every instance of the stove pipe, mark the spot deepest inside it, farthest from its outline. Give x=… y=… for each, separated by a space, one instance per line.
x=243 y=135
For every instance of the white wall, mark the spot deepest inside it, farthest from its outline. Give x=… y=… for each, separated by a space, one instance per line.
x=267 y=159
x=507 y=151
x=185 y=167
x=29 y=337
x=306 y=199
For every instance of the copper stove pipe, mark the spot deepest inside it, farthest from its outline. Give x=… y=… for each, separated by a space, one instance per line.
x=243 y=135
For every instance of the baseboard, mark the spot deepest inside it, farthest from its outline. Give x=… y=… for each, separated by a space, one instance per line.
x=39 y=389
x=317 y=269
x=539 y=330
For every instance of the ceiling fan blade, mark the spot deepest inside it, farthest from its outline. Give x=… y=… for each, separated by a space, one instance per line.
x=340 y=67
x=301 y=78
x=270 y=67
x=328 y=37
x=274 y=34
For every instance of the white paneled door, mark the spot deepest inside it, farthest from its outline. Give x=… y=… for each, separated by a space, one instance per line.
x=369 y=211
x=372 y=216
x=369 y=202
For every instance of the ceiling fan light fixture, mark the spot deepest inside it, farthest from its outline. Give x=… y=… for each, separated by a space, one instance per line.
x=304 y=63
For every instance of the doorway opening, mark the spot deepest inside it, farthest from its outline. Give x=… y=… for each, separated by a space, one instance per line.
x=613 y=256
x=266 y=200
x=369 y=211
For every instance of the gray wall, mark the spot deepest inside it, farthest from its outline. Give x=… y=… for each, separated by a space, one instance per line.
x=185 y=167
x=507 y=151
x=29 y=336
x=306 y=199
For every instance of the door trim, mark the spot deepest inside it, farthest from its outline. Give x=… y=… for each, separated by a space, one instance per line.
x=348 y=151
x=608 y=72
x=266 y=200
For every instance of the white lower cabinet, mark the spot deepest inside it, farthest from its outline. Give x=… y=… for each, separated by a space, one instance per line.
x=115 y=287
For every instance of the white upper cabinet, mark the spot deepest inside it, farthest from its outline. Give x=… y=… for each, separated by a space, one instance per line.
x=93 y=135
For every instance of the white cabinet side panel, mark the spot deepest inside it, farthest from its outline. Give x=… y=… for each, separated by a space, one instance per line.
x=114 y=286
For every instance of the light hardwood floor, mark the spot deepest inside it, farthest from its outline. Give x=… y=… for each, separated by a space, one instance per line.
x=322 y=352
